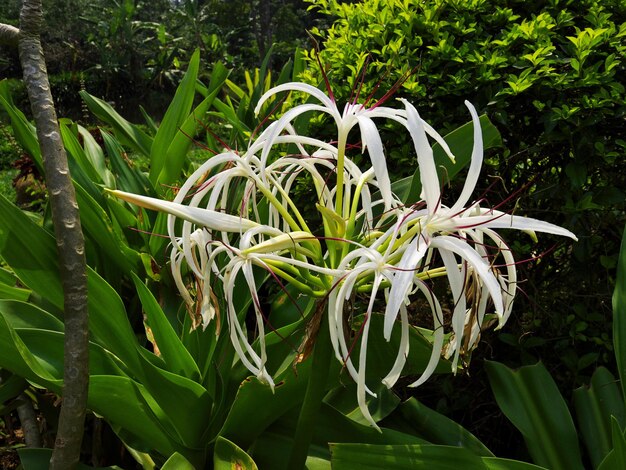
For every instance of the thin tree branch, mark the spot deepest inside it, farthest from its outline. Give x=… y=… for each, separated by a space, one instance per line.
x=28 y=420
x=70 y=241
x=8 y=34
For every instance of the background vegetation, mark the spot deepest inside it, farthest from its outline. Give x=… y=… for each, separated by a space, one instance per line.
x=550 y=75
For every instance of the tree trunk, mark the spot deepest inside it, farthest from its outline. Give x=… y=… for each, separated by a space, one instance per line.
x=67 y=228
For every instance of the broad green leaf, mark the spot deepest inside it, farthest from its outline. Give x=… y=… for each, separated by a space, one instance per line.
x=532 y=402
x=76 y=151
x=182 y=140
x=39 y=459
x=186 y=403
x=25 y=133
x=171 y=349
x=460 y=143
x=30 y=251
x=176 y=113
x=14 y=293
x=343 y=399
x=595 y=405
x=177 y=462
x=256 y=407
x=11 y=387
x=16 y=358
x=619 y=316
x=97 y=226
x=95 y=155
x=123 y=402
x=617 y=457
x=24 y=315
x=439 y=429
x=128 y=177
x=228 y=456
x=128 y=133
x=47 y=347
x=402 y=457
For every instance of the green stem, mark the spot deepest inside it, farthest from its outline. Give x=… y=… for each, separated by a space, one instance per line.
x=315 y=392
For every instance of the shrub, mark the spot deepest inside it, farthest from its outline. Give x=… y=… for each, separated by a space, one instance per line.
x=550 y=74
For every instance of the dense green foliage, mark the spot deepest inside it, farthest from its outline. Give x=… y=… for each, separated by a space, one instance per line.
x=551 y=76
x=133 y=52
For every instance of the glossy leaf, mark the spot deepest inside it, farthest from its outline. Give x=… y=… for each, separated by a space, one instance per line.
x=11 y=387
x=402 y=457
x=170 y=347
x=437 y=428
x=128 y=177
x=99 y=228
x=177 y=462
x=619 y=316
x=127 y=132
x=182 y=140
x=532 y=402
x=39 y=459
x=25 y=133
x=617 y=457
x=595 y=405
x=176 y=113
x=228 y=456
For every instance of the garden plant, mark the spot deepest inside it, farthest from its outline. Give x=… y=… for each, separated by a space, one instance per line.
x=265 y=284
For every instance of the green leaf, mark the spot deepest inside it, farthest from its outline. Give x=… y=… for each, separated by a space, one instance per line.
x=128 y=177
x=619 y=316
x=125 y=403
x=177 y=462
x=402 y=457
x=176 y=113
x=24 y=315
x=229 y=456
x=532 y=402
x=25 y=133
x=128 y=133
x=439 y=429
x=11 y=387
x=76 y=151
x=39 y=459
x=617 y=457
x=460 y=142
x=98 y=226
x=595 y=405
x=182 y=140
x=30 y=251
x=172 y=350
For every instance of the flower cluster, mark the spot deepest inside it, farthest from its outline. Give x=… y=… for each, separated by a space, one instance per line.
x=371 y=242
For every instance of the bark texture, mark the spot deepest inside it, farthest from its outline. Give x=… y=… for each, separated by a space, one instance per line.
x=8 y=34
x=28 y=420
x=70 y=241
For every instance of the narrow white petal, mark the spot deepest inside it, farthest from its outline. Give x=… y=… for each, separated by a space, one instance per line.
x=403 y=281
x=213 y=220
x=297 y=86
x=476 y=162
x=497 y=219
x=438 y=334
x=483 y=270
x=371 y=140
x=431 y=192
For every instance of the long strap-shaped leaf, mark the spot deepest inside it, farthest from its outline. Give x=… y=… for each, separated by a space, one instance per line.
x=619 y=316
x=531 y=400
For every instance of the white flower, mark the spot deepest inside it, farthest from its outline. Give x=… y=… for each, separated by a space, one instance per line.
x=239 y=213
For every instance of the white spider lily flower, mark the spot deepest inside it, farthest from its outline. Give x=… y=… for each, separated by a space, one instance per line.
x=213 y=220
x=367 y=241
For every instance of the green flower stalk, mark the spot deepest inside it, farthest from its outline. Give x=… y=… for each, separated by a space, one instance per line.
x=371 y=242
